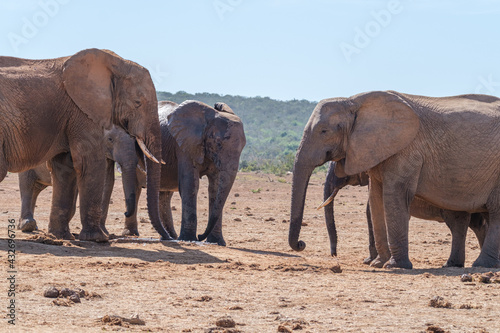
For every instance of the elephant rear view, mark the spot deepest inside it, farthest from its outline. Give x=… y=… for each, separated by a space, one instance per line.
x=197 y=141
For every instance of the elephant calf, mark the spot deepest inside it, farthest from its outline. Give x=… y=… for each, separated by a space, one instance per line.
x=456 y=221
x=119 y=148
x=197 y=141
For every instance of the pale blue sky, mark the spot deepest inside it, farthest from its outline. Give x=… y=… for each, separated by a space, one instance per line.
x=302 y=49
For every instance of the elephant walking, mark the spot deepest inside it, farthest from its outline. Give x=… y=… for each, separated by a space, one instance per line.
x=445 y=151
x=197 y=141
x=456 y=221
x=55 y=107
x=119 y=147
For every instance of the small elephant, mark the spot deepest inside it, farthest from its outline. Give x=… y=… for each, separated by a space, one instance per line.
x=444 y=150
x=456 y=221
x=197 y=141
x=53 y=108
x=119 y=147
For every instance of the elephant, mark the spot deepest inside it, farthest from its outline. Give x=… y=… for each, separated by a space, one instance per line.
x=119 y=147
x=456 y=221
x=55 y=110
x=443 y=150
x=197 y=141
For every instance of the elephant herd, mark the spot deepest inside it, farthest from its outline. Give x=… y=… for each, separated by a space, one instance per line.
x=65 y=122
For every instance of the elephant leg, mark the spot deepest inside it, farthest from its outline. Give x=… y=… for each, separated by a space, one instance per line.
x=397 y=197
x=479 y=224
x=188 y=189
x=458 y=223
x=489 y=256
x=3 y=165
x=371 y=239
x=378 y=224
x=90 y=169
x=29 y=189
x=64 y=192
x=106 y=195
x=216 y=235
x=166 y=212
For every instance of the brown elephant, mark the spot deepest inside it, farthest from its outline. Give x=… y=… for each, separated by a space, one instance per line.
x=119 y=147
x=445 y=151
x=197 y=141
x=56 y=107
x=456 y=221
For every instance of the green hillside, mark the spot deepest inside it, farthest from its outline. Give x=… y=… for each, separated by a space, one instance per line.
x=273 y=128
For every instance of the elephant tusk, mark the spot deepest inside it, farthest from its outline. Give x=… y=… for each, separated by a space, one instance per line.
x=145 y=150
x=330 y=199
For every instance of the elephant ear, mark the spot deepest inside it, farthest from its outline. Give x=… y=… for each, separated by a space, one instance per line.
x=89 y=82
x=385 y=124
x=187 y=124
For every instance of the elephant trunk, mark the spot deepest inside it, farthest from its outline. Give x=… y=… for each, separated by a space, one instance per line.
x=129 y=180
x=301 y=174
x=329 y=188
x=225 y=181
x=153 y=171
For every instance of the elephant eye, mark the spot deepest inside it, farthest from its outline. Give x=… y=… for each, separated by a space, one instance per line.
x=110 y=139
x=137 y=103
x=324 y=131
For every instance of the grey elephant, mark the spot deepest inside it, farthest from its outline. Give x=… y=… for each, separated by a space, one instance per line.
x=456 y=221
x=55 y=110
x=445 y=151
x=119 y=147
x=197 y=141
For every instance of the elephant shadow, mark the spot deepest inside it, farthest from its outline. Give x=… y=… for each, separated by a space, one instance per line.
x=173 y=252
x=427 y=272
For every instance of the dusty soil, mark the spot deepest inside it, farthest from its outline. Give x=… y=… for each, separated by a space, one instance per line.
x=257 y=283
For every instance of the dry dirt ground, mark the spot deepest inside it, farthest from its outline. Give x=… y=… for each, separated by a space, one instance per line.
x=257 y=280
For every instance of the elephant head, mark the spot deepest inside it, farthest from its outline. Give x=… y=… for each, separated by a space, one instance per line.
x=210 y=137
x=362 y=131
x=112 y=90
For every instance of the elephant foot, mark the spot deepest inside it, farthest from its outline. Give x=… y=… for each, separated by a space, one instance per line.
x=130 y=232
x=187 y=236
x=378 y=262
x=216 y=239
x=94 y=234
x=486 y=261
x=392 y=263
x=65 y=234
x=452 y=263
x=368 y=260
x=27 y=225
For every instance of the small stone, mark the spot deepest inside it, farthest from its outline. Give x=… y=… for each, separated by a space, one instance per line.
x=135 y=320
x=336 y=269
x=83 y=284
x=283 y=328
x=297 y=326
x=466 y=278
x=226 y=322
x=236 y=195
x=51 y=292
x=75 y=298
x=237 y=219
x=65 y=292
x=485 y=278
x=439 y=302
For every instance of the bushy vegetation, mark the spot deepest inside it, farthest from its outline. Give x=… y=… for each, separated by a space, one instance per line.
x=273 y=128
